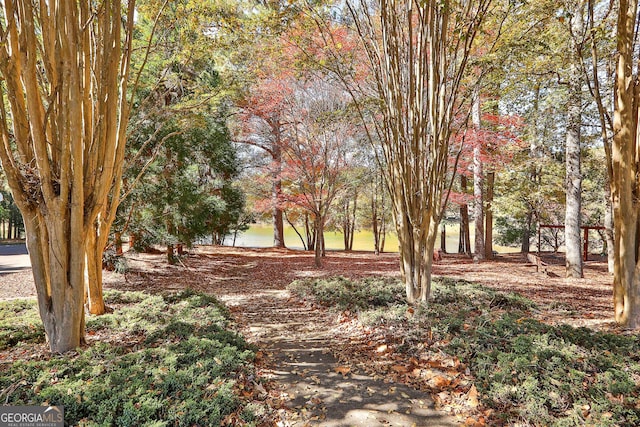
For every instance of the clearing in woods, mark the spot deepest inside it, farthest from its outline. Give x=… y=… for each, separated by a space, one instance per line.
x=305 y=350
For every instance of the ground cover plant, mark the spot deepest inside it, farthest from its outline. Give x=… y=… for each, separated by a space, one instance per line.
x=169 y=360
x=507 y=367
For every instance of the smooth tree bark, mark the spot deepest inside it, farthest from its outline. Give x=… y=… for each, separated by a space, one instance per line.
x=63 y=114
x=606 y=126
x=609 y=227
x=535 y=171
x=464 y=244
x=276 y=188
x=573 y=184
x=478 y=185
x=98 y=237
x=488 y=228
x=418 y=53
x=625 y=186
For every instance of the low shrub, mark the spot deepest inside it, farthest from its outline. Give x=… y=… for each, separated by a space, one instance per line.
x=527 y=372
x=19 y=323
x=165 y=361
x=346 y=294
x=114 y=262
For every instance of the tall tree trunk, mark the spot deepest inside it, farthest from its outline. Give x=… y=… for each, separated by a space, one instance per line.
x=374 y=228
x=525 y=246
x=624 y=186
x=606 y=124
x=417 y=84
x=351 y=214
x=573 y=238
x=349 y=221
x=534 y=172
x=377 y=221
x=478 y=187
x=57 y=261
x=464 y=245
x=61 y=140
x=488 y=240
x=93 y=273
x=608 y=228
x=310 y=232
x=319 y=246
x=278 y=221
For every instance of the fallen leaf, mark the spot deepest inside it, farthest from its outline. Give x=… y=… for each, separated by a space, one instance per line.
x=439 y=381
x=400 y=369
x=472 y=396
x=344 y=370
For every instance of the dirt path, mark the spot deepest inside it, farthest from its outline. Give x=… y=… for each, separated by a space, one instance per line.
x=322 y=392
x=296 y=339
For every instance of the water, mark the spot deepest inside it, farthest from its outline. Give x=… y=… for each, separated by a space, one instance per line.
x=261 y=236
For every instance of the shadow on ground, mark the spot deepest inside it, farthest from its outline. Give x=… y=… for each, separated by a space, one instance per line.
x=321 y=391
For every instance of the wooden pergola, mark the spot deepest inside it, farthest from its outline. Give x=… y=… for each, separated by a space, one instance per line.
x=585 y=240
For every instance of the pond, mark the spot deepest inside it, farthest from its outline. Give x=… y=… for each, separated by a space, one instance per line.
x=261 y=236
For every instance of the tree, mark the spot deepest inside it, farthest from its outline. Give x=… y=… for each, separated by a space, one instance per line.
x=464 y=243
x=264 y=125
x=173 y=76
x=187 y=192
x=254 y=37
x=418 y=54
x=63 y=116
x=317 y=153
x=478 y=185
x=346 y=215
x=379 y=210
x=573 y=238
x=625 y=185
x=602 y=42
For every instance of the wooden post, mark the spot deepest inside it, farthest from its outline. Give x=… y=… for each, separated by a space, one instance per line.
x=443 y=239
x=585 y=255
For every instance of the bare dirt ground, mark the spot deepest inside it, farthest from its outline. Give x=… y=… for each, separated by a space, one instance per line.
x=304 y=350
